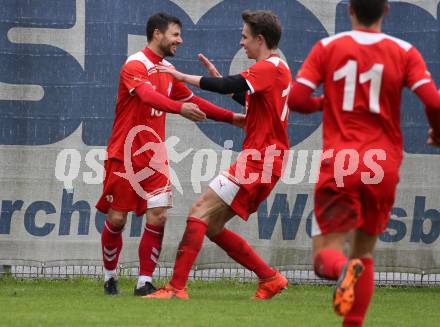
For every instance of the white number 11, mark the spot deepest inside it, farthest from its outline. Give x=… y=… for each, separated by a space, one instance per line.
x=349 y=72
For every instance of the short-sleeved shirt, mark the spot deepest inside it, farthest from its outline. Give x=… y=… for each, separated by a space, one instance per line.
x=131 y=111
x=267 y=114
x=363 y=74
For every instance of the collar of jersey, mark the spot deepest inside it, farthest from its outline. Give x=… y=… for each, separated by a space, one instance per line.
x=364 y=30
x=154 y=58
x=273 y=55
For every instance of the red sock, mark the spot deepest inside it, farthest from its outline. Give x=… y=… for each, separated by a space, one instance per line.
x=189 y=248
x=328 y=263
x=363 y=293
x=149 y=249
x=239 y=250
x=111 y=242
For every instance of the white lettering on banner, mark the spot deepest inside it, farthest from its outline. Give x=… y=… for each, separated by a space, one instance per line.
x=93 y=160
x=68 y=165
x=69 y=159
x=197 y=174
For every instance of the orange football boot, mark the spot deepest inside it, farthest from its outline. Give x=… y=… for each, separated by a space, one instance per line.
x=268 y=288
x=169 y=292
x=343 y=296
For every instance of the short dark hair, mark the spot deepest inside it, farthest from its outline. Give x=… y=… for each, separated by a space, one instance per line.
x=160 y=21
x=368 y=11
x=266 y=23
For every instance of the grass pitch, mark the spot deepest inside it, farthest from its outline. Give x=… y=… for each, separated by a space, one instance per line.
x=225 y=303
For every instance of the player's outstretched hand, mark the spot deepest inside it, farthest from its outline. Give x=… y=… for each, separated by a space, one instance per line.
x=172 y=71
x=212 y=70
x=192 y=112
x=239 y=120
x=432 y=139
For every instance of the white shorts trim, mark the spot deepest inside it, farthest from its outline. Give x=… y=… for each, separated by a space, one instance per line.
x=225 y=188
x=316 y=231
x=164 y=200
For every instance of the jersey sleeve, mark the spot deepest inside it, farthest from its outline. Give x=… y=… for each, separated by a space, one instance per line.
x=260 y=76
x=417 y=73
x=180 y=92
x=311 y=73
x=133 y=74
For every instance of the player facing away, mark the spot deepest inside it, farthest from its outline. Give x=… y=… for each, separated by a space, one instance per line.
x=263 y=88
x=363 y=72
x=145 y=95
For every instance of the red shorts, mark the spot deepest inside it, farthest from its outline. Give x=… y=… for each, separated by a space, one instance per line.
x=243 y=192
x=356 y=205
x=119 y=195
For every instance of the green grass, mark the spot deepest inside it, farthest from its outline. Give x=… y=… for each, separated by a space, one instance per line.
x=80 y=302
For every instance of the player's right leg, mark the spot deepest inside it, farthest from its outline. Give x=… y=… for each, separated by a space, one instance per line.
x=159 y=200
x=377 y=201
x=111 y=244
x=149 y=249
x=117 y=199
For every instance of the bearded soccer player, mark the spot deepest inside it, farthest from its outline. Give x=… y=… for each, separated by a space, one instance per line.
x=263 y=89
x=145 y=95
x=363 y=72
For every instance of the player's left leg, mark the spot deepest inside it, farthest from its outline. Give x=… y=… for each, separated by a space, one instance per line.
x=244 y=199
x=271 y=282
x=377 y=201
x=240 y=250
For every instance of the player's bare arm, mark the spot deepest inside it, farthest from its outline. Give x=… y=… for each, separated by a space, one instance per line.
x=210 y=67
x=239 y=97
x=225 y=85
x=222 y=85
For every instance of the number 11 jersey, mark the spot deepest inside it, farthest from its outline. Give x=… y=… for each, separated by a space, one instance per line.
x=363 y=75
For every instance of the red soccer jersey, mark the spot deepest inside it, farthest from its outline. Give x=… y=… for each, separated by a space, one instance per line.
x=267 y=112
x=363 y=75
x=131 y=111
